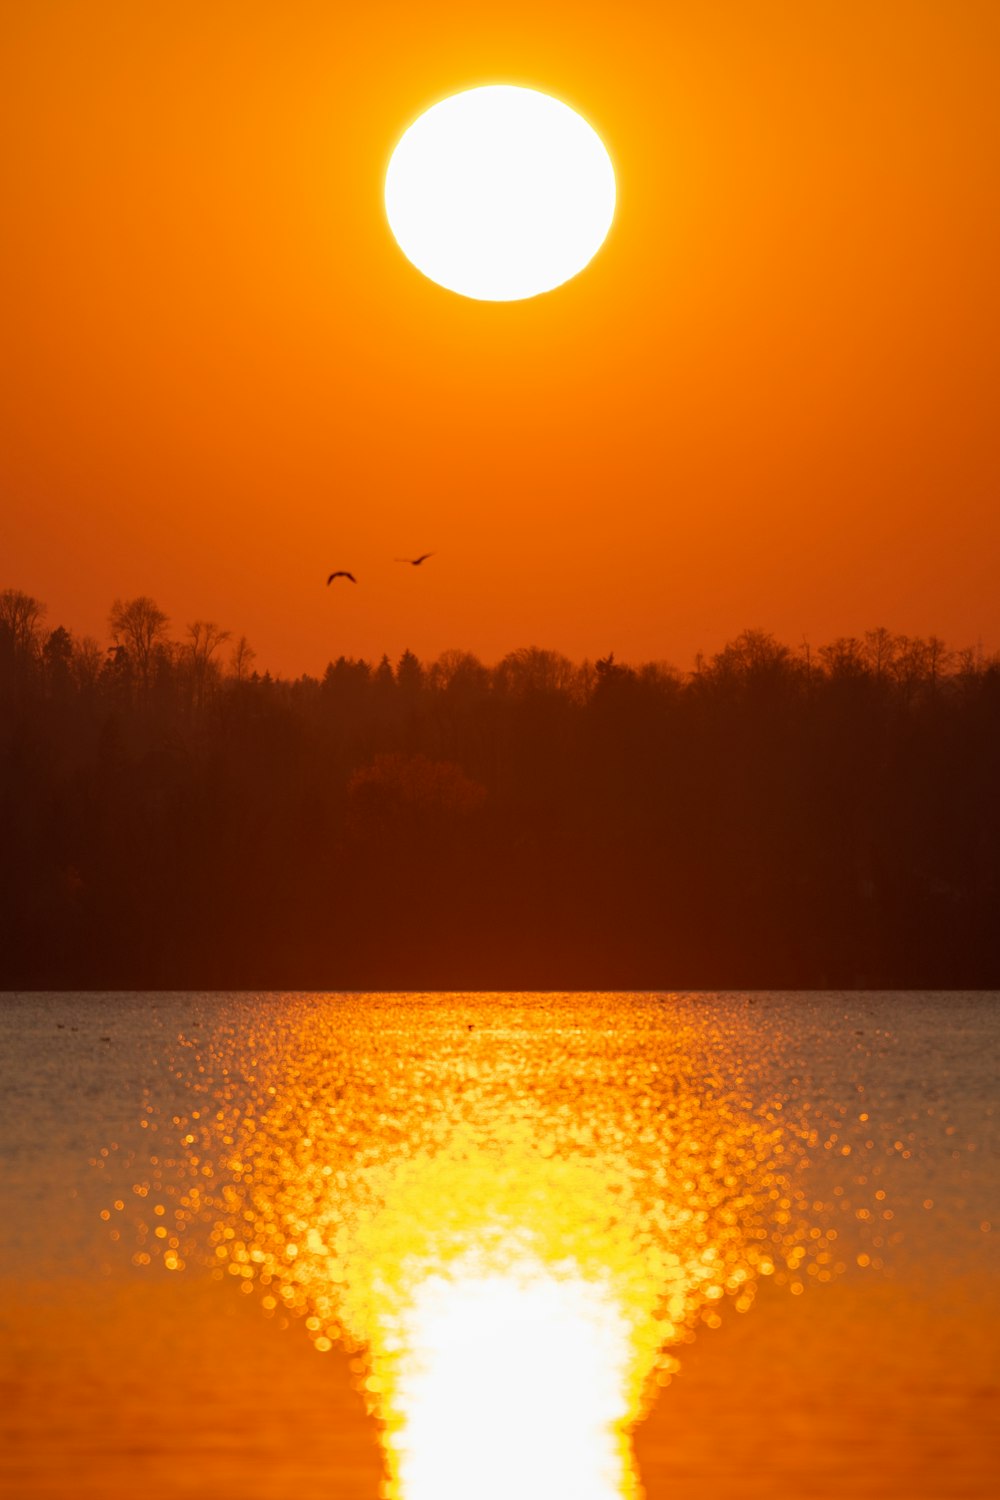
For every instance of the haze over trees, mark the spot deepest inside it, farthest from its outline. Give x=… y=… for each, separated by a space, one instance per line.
x=170 y=817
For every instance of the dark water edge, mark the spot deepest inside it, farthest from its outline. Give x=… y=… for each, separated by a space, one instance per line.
x=586 y=965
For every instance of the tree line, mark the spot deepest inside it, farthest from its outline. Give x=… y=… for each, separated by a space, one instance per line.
x=170 y=817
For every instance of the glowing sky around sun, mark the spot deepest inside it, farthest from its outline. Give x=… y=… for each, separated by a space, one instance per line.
x=765 y=402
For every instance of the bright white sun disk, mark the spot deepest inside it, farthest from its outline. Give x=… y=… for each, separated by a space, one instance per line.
x=500 y=193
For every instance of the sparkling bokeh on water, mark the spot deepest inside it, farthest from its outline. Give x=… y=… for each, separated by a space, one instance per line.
x=340 y=1156
x=539 y=1234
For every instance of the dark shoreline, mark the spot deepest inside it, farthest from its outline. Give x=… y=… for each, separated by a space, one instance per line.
x=772 y=819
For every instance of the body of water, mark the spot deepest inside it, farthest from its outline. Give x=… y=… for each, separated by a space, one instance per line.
x=563 y=1247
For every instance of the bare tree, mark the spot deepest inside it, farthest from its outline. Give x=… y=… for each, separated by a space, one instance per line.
x=532 y=671
x=456 y=672
x=940 y=660
x=140 y=626
x=846 y=657
x=242 y=659
x=20 y=621
x=204 y=639
x=881 y=649
x=88 y=659
x=754 y=661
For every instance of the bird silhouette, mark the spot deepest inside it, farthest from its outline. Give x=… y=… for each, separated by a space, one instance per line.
x=416 y=561
x=343 y=573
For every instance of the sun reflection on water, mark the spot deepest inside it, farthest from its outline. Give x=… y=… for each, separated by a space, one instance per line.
x=518 y=1379
x=513 y=1220
x=509 y=1315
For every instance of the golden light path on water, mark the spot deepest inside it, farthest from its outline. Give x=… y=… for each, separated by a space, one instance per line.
x=513 y=1211
x=528 y=1367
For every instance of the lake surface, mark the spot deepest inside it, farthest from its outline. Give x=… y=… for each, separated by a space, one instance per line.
x=563 y=1247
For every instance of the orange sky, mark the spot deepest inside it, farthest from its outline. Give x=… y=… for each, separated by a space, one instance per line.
x=771 y=400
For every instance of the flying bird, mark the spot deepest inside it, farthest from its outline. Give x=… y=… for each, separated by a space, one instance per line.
x=416 y=561
x=343 y=573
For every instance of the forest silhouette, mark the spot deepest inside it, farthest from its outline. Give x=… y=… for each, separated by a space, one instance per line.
x=172 y=818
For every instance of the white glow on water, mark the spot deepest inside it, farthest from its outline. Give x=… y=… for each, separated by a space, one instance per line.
x=511 y=1389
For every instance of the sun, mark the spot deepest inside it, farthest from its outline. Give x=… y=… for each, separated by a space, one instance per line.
x=500 y=193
